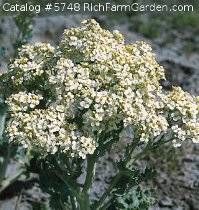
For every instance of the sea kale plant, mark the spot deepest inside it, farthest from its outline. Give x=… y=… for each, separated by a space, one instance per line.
x=71 y=103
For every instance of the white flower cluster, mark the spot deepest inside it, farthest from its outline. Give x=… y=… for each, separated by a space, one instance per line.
x=90 y=84
x=184 y=110
x=22 y=101
x=48 y=131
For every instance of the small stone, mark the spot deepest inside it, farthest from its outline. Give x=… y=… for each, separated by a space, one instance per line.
x=179 y=208
x=166 y=202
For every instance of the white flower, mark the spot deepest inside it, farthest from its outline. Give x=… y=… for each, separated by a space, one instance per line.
x=61 y=99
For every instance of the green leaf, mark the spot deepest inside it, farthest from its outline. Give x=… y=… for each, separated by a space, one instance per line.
x=48 y=179
x=56 y=203
x=131 y=177
x=39 y=206
x=134 y=199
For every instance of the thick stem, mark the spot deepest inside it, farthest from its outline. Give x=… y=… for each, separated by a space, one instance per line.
x=89 y=174
x=85 y=204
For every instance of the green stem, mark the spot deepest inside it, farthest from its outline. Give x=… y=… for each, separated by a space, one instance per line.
x=69 y=167
x=4 y=161
x=107 y=192
x=3 y=168
x=143 y=152
x=104 y=137
x=149 y=147
x=130 y=150
x=84 y=204
x=10 y=180
x=73 y=191
x=139 y=155
x=62 y=205
x=91 y=161
x=106 y=205
x=89 y=174
x=73 y=202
